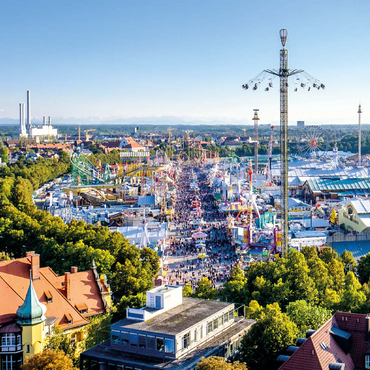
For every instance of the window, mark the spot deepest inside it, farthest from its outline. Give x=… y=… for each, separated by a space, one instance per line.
x=49 y=296
x=186 y=340
x=209 y=327
x=10 y=362
x=195 y=336
x=215 y=324
x=220 y=320
x=231 y=314
x=134 y=340
x=169 y=345
x=125 y=338
x=8 y=339
x=367 y=362
x=28 y=348
x=226 y=317
x=151 y=342
x=115 y=338
x=142 y=341
x=160 y=344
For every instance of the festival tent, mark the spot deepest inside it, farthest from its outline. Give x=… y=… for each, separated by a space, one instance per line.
x=199 y=235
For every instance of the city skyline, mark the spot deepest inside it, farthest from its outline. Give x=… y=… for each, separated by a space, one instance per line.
x=186 y=60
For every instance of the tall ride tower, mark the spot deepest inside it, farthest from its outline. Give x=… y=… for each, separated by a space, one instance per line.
x=359 y=134
x=255 y=120
x=304 y=80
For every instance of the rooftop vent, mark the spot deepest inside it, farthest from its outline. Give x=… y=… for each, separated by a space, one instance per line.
x=310 y=332
x=300 y=341
x=291 y=349
x=282 y=358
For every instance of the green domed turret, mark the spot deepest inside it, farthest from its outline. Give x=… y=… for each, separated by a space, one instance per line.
x=32 y=310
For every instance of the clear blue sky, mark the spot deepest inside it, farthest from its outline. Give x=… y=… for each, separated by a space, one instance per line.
x=134 y=58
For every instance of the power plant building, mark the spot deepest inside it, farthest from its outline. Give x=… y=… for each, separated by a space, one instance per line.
x=37 y=132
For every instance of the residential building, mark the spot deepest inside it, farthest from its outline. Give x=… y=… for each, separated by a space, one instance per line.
x=355 y=215
x=170 y=333
x=130 y=144
x=34 y=300
x=341 y=343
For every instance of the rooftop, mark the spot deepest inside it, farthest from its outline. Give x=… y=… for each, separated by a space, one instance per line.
x=177 y=319
x=103 y=351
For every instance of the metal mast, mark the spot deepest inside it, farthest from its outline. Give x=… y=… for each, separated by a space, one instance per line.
x=359 y=134
x=305 y=79
x=284 y=74
x=255 y=120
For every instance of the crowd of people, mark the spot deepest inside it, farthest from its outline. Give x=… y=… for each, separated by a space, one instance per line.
x=190 y=259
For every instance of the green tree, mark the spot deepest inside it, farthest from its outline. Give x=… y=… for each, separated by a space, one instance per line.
x=49 y=360
x=60 y=341
x=307 y=316
x=328 y=255
x=4 y=154
x=132 y=301
x=363 y=268
x=272 y=333
x=204 y=290
x=348 y=261
x=187 y=291
x=353 y=298
x=218 y=363
x=235 y=289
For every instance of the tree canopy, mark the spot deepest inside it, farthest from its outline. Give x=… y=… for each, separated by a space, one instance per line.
x=218 y=363
x=49 y=360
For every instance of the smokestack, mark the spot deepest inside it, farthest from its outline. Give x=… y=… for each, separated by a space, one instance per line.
x=28 y=111
x=21 y=119
x=43 y=120
x=49 y=121
x=359 y=134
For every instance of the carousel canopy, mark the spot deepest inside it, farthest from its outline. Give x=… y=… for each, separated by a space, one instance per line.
x=199 y=235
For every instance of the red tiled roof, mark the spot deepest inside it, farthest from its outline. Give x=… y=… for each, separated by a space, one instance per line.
x=14 y=283
x=311 y=355
x=356 y=325
x=83 y=289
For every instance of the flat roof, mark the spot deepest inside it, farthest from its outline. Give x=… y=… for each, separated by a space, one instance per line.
x=105 y=352
x=177 y=319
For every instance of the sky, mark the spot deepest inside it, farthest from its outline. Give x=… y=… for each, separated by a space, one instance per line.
x=182 y=58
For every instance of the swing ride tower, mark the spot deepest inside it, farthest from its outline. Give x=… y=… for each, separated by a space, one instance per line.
x=283 y=74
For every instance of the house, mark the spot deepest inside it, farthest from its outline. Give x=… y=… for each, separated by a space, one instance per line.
x=355 y=215
x=170 y=333
x=34 y=300
x=108 y=146
x=341 y=343
x=130 y=144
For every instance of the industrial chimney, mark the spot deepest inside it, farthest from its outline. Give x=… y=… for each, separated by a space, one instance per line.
x=28 y=127
x=49 y=120
x=21 y=119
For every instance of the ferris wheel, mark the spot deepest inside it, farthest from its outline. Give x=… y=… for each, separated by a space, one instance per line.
x=313 y=143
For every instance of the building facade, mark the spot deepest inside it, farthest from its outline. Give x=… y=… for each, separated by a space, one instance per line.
x=34 y=300
x=171 y=332
x=355 y=215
